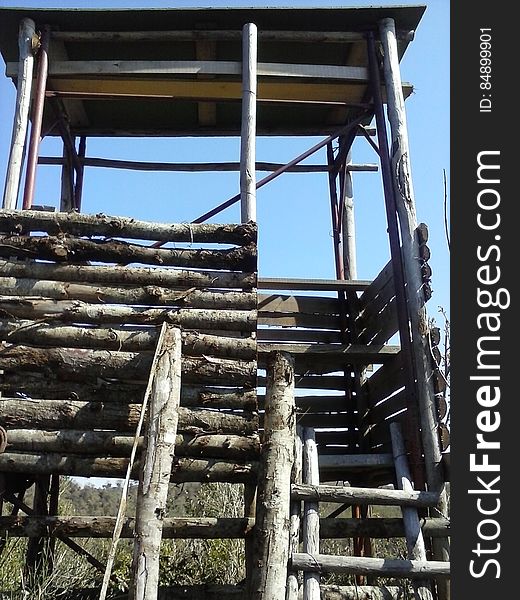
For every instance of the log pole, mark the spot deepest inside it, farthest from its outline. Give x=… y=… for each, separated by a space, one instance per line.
x=293 y=584
x=348 y=227
x=272 y=536
x=26 y=40
x=67 y=181
x=412 y=526
x=405 y=204
x=311 y=515
x=157 y=464
x=37 y=116
x=248 y=129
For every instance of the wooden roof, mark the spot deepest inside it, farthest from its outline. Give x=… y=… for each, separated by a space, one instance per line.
x=115 y=77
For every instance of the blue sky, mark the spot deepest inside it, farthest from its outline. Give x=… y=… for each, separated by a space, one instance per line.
x=293 y=211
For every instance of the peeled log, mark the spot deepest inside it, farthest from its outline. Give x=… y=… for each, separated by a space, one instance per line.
x=126 y=339
x=382 y=567
x=102 y=527
x=90 y=365
x=145 y=295
x=37 y=385
x=108 y=443
x=78 y=250
x=12 y=221
x=179 y=278
x=184 y=469
x=69 y=414
x=81 y=312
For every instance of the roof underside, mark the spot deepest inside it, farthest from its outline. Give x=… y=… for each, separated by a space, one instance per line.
x=180 y=97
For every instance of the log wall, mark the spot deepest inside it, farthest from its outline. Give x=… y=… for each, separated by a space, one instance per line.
x=82 y=300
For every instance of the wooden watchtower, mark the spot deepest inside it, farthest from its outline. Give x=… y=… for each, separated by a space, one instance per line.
x=154 y=350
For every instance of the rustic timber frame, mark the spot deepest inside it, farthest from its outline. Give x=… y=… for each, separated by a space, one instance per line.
x=119 y=336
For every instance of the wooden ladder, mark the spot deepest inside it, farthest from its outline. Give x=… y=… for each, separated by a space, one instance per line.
x=306 y=488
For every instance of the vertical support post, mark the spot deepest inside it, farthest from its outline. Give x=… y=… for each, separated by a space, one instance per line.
x=36 y=129
x=36 y=558
x=295 y=514
x=405 y=205
x=412 y=421
x=348 y=228
x=274 y=489
x=26 y=39
x=412 y=525
x=67 y=181
x=311 y=515
x=157 y=458
x=249 y=512
x=54 y=498
x=248 y=129
x=78 y=187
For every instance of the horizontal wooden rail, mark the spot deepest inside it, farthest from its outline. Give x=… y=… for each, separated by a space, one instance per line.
x=358 y=495
x=382 y=567
x=133 y=165
x=111 y=226
x=160 y=68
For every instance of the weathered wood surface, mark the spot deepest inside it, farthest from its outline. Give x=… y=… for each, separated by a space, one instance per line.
x=412 y=527
x=406 y=212
x=183 y=470
x=109 y=443
x=274 y=483
x=311 y=515
x=40 y=385
x=102 y=527
x=19 y=413
x=80 y=224
x=78 y=250
x=295 y=515
x=298 y=304
x=327 y=358
x=89 y=365
x=362 y=592
x=146 y=295
x=161 y=68
x=208 y=527
x=382 y=567
x=248 y=70
x=298 y=335
x=381 y=528
x=156 y=464
x=385 y=381
x=76 y=311
x=112 y=275
x=355 y=461
x=125 y=339
x=310 y=321
x=26 y=48
x=360 y=495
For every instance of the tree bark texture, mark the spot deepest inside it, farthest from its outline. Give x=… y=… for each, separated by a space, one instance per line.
x=156 y=461
x=150 y=295
x=126 y=339
x=168 y=277
x=109 y=443
x=73 y=414
x=90 y=365
x=273 y=505
x=80 y=224
x=78 y=250
x=183 y=469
